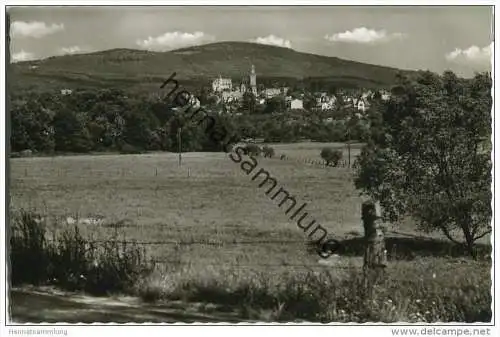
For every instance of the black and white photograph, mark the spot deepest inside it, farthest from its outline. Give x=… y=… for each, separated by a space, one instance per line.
x=249 y=163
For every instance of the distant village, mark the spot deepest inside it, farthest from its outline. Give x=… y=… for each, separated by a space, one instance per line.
x=230 y=95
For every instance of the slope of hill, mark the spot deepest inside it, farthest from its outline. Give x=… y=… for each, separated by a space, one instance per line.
x=136 y=69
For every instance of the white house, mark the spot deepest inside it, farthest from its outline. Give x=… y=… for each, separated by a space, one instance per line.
x=367 y=95
x=230 y=96
x=385 y=95
x=272 y=92
x=325 y=102
x=327 y=106
x=362 y=104
x=194 y=102
x=222 y=84
x=296 y=104
x=66 y=91
x=348 y=100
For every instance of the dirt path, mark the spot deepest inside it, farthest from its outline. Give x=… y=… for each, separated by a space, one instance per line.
x=36 y=305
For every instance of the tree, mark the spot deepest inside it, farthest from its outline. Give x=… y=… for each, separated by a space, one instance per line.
x=429 y=161
x=275 y=104
x=190 y=136
x=138 y=127
x=31 y=126
x=268 y=151
x=253 y=150
x=70 y=132
x=249 y=102
x=309 y=102
x=331 y=156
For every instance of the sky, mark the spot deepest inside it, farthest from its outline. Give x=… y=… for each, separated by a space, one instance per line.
x=430 y=38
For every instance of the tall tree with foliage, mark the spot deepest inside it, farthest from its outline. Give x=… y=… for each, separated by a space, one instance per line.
x=70 y=132
x=32 y=126
x=428 y=155
x=248 y=104
x=275 y=104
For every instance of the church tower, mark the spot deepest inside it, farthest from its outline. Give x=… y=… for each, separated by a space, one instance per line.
x=253 y=81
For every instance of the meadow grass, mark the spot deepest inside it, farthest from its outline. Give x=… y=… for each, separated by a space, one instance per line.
x=312 y=150
x=224 y=241
x=218 y=202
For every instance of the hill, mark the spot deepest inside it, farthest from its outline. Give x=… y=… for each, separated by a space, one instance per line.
x=143 y=70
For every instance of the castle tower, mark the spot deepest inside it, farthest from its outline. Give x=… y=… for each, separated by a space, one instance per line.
x=253 y=81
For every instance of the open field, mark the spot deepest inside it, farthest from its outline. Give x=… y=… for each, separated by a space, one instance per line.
x=216 y=204
x=312 y=150
x=207 y=223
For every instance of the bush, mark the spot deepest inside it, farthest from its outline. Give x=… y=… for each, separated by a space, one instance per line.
x=331 y=156
x=253 y=150
x=30 y=252
x=268 y=151
x=228 y=148
x=407 y=293
x=72 y=261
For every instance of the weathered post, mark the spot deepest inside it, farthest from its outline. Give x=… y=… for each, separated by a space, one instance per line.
x=375 y=258
x=179 y=143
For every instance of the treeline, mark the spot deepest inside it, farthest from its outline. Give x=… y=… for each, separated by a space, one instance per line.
x=100 y=120
x=113 y=120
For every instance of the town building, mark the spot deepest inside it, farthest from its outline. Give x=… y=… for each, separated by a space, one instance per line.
x=221 y=84
x=232 y=96
x=297 y=104
x=325 y=102
x=66 y=91
x=194 y=102
x=362 y=105
x=229 y=93
x=272 y=92
x=367 y=95
x=385 y=95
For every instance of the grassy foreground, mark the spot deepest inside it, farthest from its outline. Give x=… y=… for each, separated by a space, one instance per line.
x=208 y=234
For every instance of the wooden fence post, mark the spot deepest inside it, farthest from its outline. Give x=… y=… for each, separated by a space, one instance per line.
x=375 y=258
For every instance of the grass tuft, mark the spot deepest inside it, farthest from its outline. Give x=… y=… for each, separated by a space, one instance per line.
x=71 y=261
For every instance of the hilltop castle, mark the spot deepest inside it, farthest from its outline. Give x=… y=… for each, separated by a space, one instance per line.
x=224 y=86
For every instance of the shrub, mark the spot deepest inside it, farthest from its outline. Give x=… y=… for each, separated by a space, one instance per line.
x=253 y=150
x=72 y=261
x=406 y=294
x=331 y=156
x=268 y=151
x=228 y=148
x=29 y=247
x=117 y=267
